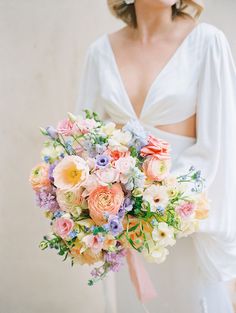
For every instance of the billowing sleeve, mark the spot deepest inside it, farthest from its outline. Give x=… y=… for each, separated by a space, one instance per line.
x=89 y=84
x=214 y=153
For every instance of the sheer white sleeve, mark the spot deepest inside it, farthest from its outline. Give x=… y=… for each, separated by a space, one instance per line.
x=89 y=85
x=214 y=153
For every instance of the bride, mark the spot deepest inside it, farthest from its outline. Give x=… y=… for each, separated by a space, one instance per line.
x=177 y=77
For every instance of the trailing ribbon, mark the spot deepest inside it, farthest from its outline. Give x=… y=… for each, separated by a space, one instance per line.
x=140 y=278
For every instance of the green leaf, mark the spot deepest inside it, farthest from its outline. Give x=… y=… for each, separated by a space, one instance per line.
x=133 y=228
x=65 y=256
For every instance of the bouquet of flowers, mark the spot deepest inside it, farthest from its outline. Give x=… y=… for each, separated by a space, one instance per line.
x=106 y=190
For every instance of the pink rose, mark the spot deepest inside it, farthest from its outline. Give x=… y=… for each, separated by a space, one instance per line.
x=105 y=199
x=63 y=226
x=156 y=147
x=65 y=127
x=156 y=169
x=185 y=210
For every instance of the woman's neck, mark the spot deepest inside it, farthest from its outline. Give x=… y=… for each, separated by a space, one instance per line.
x=153 y=21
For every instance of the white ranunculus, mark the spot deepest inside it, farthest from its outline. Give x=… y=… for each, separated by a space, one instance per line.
x=108 y=129
x=157 y=254
x=120 y=140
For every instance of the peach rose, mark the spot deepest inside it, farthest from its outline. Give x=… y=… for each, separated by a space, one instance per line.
x=105 y=199
x=39 y=176
x=156 y=169
x=71 y=172
x=63 y=226
x=156 y=147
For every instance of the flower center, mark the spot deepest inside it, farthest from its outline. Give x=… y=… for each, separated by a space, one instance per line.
x=72 y=175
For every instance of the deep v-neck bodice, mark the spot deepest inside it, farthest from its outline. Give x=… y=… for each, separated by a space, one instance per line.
x=157 y=76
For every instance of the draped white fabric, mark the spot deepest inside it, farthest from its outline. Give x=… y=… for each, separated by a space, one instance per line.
x=199 y=78
x=214 y=153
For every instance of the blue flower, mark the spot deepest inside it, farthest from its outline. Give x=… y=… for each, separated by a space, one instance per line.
x=58 y=214
x=139 y=135
x=160 y=209
x=46 y=158
x=68 y=145
x=73 y=234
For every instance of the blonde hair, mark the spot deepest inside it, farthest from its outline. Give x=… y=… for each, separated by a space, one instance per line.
x=127 y=14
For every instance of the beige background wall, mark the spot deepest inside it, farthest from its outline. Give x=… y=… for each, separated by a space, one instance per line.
x=42 y=46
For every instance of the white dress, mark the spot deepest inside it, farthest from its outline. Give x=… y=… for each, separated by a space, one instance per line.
x=199 y=78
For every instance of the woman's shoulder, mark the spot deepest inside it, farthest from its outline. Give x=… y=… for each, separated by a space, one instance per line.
x=211 y=34
x=98 y=45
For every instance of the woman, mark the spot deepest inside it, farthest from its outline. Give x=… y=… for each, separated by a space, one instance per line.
x=177 y=77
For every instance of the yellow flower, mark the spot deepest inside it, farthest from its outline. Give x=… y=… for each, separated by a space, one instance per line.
x=71 y=172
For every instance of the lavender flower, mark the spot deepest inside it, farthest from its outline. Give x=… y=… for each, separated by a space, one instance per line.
x=46 y=199
x=126 y=207
x=114 y=225
x=52 y=132
x=51 y=168
x=115 y=259
x=102 y=161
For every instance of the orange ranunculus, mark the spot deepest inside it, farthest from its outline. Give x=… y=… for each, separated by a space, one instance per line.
x=156 y=147
x=135 y=235
x=39 y=176
x=105 y=199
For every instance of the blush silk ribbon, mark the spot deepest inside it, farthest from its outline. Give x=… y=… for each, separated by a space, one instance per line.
x=143 y=285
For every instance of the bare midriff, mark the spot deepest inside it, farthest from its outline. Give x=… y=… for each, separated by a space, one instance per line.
x=185 y=128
